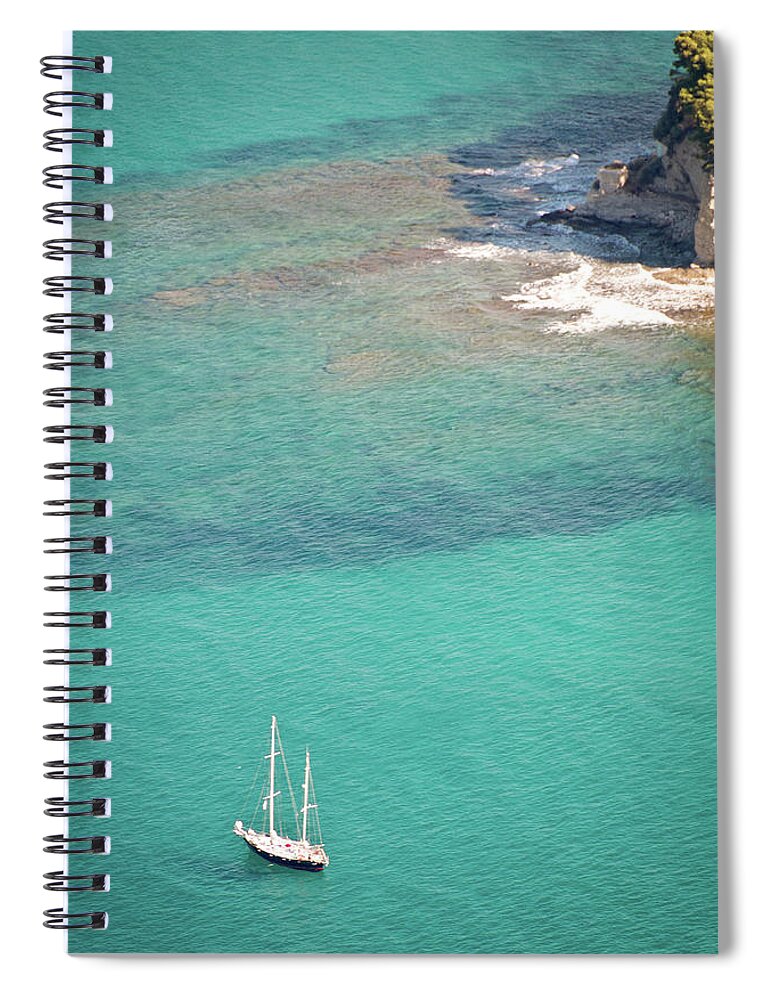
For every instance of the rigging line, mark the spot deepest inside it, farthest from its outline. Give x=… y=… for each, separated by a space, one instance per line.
x=288 y=783
x=250 y=792
x=258 y=805
x=317 y=817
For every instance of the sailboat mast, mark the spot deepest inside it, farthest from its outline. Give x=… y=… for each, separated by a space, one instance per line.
x=272 y=774
x=306 y=787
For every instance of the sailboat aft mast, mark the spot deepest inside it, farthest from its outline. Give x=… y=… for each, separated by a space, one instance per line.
x=305 y=789
x=307 y=804
x=320 y=838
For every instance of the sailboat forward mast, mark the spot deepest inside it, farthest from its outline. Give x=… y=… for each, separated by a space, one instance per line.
x=271 y=826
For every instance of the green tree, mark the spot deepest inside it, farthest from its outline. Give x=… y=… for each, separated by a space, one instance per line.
x=691 y=98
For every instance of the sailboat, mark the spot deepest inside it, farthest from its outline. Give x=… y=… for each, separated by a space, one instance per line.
x=270 y=842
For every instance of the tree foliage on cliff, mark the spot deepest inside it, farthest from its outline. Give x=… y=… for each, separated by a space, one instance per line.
x=691 y=98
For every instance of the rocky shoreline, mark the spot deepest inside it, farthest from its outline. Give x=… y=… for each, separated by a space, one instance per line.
x=663 y=202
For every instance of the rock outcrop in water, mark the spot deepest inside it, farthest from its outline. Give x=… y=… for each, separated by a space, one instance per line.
x=672 y=192
x=665 y=201
x=666 y=198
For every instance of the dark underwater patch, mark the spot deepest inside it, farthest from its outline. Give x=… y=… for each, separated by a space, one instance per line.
x=400 y=520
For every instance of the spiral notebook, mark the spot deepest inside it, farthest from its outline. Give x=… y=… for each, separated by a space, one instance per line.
x=382 y=445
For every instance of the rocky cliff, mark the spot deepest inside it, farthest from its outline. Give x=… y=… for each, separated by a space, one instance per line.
x=669 y=191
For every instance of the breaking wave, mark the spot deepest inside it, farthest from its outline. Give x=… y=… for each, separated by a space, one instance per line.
x=591 y=297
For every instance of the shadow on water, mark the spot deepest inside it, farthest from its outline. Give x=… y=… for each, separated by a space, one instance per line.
x=234 y=863
x=401 y=520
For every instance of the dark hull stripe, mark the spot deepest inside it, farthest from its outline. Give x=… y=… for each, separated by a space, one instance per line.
x=305 y=866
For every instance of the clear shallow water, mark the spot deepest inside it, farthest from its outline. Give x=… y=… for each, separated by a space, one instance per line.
x=462 y=546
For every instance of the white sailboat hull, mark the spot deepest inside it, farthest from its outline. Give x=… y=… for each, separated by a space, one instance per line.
x=284 y=850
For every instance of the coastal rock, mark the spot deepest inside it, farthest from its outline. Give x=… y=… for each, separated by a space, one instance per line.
x=672 y=193
x=704 y=228
x=611 y=178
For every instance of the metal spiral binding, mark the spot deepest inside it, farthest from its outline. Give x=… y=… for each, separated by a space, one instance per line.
x=62 y=882
x=54 y=66
x=66 y=177
x=77 y=508
x=58 y=211
x=101 y=583
x=98 y=433
x=59 y=100
x=66 y=808
x=74 y=395
x=57 y=176
x=100 y=545
x=99 y=470
x=96 y=694
x=57 y=138
x=57 y=360
x=66 y=770
x=57 y=844
x=67 y=284
x=78 y=619
x=94 y=657
x=59 y=249
x=92 y=322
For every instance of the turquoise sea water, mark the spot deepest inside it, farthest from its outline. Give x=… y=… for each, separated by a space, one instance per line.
x=461 y=546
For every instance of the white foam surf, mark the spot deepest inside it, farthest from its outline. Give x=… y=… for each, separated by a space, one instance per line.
x=534 y=169
x=597 y=297
x=479 y=251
